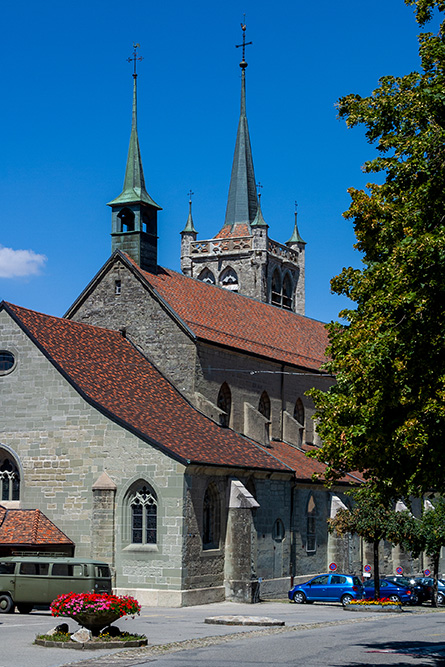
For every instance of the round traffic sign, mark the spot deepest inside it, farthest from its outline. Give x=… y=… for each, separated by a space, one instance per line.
x=367 y=568
x=427 y=573
x=399 y=570
x=332 y=567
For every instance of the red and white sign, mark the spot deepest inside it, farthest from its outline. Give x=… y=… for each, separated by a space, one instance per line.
x=427 y=573
x=399 y=570
x=367 y=568
x=332 y=567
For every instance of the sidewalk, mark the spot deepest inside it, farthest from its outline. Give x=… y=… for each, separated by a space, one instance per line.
x=161 y=626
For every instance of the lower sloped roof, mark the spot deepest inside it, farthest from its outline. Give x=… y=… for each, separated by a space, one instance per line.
x=113 y=376
x=29 y=528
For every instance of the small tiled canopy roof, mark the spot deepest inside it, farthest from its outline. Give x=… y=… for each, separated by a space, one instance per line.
x=29 y=528
x=113 y=376
x=217 y=315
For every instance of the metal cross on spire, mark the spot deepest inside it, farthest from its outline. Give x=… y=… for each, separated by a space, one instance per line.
x=243 y=63
x=190 y=195
x=134 y=58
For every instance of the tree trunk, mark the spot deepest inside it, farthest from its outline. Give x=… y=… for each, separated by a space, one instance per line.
x=436 y=577
x=376 y=570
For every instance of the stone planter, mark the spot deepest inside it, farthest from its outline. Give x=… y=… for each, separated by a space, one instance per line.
x=95 y=622
x=92 y=645
x=384 y=608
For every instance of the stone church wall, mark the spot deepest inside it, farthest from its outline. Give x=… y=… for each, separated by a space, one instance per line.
x=62 y=445
x=146 y=323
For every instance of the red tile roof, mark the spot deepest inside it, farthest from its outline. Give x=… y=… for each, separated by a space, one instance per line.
x=238 y=230
x=303 y=466
x=112 y=375
x=217 y=315
x=29 y=528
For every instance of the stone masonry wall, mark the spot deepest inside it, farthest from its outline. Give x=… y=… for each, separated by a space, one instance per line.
x=147 y=324
x=62 y=445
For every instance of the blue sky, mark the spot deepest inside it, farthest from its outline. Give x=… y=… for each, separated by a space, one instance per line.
x=66 y=116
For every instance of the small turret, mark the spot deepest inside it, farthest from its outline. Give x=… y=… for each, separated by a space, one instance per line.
x=188 y=235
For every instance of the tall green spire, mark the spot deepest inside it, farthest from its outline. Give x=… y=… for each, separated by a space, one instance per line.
x=134 y=183
x=242 y=202
x=295 y=238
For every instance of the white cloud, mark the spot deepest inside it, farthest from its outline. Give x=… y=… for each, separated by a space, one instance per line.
x=18 y=263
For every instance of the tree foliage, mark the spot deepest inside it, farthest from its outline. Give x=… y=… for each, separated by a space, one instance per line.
x=372 y=519
x=385 y=416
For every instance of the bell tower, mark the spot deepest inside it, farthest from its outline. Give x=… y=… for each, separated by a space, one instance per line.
x=134 y=213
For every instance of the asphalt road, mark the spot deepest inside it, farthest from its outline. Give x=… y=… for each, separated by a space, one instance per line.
x=314 y=635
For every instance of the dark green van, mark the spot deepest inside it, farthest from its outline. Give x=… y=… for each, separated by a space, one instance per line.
x=26 y=581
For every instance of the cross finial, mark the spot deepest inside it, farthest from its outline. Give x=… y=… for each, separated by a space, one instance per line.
x=190 y=195
x=259 y=187
x=134 y=58
x=296 y=207
x=243 y=63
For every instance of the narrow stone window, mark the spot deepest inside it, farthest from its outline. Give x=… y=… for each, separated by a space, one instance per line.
x=311 y=535
x=224 y=402
x=117 y=286
x=211 y=518
x=207 y=277
x=299 y=417
x=278 y=531
x=264 y=409
x=9 y=478
x=144 y=510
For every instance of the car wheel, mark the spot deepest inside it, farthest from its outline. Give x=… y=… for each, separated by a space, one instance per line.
x=6 y=604
x=24 y=608
x=299 y=597
x=346 y=599
x=440 y=598
x=394 y=598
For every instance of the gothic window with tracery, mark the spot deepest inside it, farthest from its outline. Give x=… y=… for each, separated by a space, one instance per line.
x=144 y=511
x=229 y=279
x=224 y=402
x=311 y=535
x=9 y=478
x=276 y=288
x=207 y=277
x=211 y=518
x=287 y=292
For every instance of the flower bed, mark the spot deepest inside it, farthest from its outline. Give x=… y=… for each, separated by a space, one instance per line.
x=370 y=604
x=94 y=611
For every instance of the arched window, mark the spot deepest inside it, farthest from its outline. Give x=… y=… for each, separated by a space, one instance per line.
x=287 y=292
x=299 y=417
x=144 y=514
x=207 y=276
x=264 y=405
x=276 y=288
x=9 y=478
x=211 y=518
x=126 y=216
x=311 y=535
x=278 y=531
x=229 y=279
x=224 y=402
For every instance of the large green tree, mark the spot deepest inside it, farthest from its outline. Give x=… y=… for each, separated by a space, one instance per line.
x=385 y=416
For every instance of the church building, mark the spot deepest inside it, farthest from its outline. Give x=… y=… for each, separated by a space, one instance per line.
x=162 y=424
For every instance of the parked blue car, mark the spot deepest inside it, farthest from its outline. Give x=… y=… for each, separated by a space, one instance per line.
x=328 y=588
x=392 y=591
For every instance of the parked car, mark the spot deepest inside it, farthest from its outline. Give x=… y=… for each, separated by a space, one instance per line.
x=328 y=588
x=390 y=590
x=38 y=579
x=420 y=593
x=427 y=584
